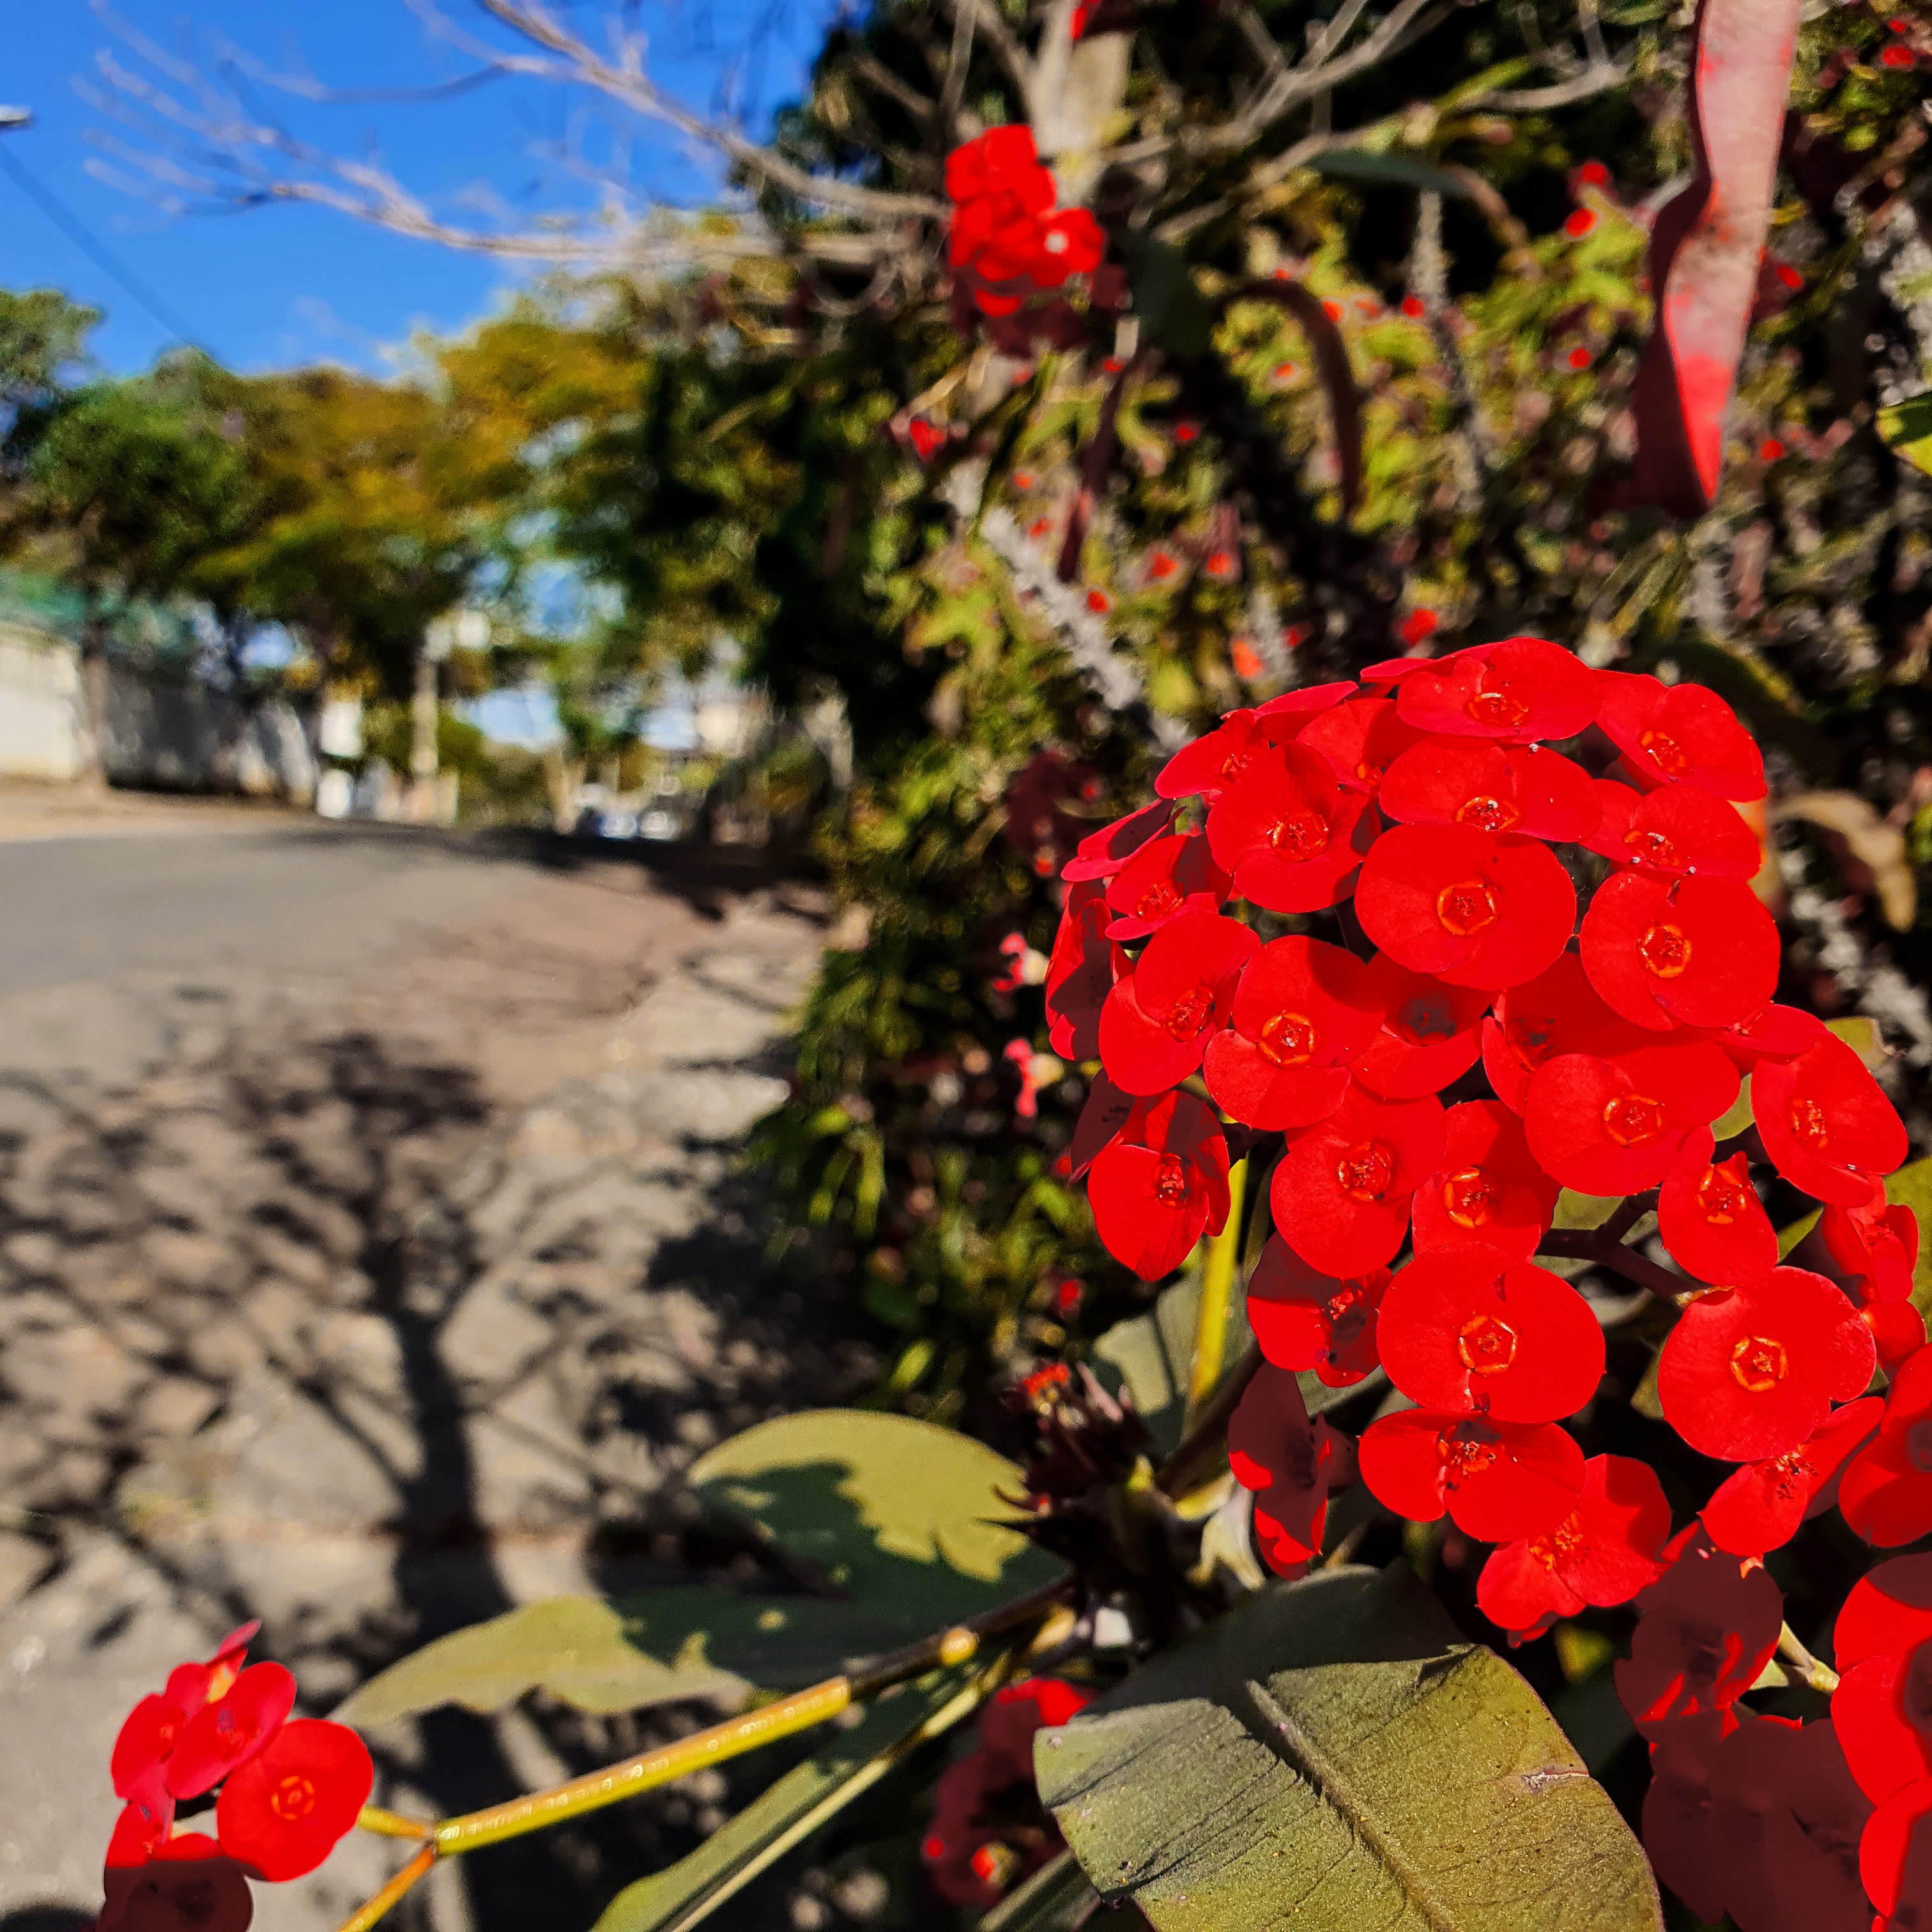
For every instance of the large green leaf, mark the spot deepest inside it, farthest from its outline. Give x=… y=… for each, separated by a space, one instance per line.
x=1057 y=1898
x=806 y=1798
x=1911 y=1187
x=909 y=1524
x=1153 y=1355
x=1331 y=1755
x=575 y=1648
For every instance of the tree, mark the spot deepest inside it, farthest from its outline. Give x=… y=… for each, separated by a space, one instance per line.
x=43 y=341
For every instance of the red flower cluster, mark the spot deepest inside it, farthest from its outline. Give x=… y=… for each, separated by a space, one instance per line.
x=988 y=1831
x=288 y=1788
x=1345 y=899
x=1007 y=240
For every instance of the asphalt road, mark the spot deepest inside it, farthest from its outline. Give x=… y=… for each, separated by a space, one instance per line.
x=110 y=945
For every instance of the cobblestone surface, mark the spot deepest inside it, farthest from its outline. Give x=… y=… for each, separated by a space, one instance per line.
x=371 y=1313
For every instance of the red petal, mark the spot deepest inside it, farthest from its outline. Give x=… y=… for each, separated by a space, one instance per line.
x=1711 y=1220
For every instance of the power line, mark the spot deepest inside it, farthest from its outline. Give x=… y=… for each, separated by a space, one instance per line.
x=76 y=231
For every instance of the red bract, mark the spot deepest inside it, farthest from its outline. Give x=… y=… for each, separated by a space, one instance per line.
x=1101 y=854
x=1429 y=1033
x=186 y=1886
x=1888 y=1609
x=1291 y=1464
x=1002 y=160
x=1521 y=691
x=1489 y=1187
x=1771 y=1033
x=1707 y=1627
x=1286 y=831
x=1158 y=1017
x=1474 y=911
x=1876 y=1245
x=1760 y=1508
x=1104 y=1112
x=1825 y=1124
x=1492 y=788
x=1710 y=1219
x=1360 y=741
x=1160 y=1184
x=1557 y=1013
x=1680 y=732
x=1678 y=829
x=154 y=1727
x=283 y=1812
x=1211 y=763
x=1617 y=1127
x=1882 y=1708
x=1303 y=1012
x=1895 y=1859
x=1602 y=1553
x=1080 y=974
x=1472 y=1328
x=1886 y=1495
x=1304 y=1320
x=1498 y=1480
x=228 y=1731
x=1071 y=243
x=1166 y=876
x=1749 y=1372
x=1685 y=952
x=1341 y=1191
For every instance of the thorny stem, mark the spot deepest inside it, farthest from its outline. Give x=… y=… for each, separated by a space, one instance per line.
x=1808 y=1670
x=360 y=1920
x=1596 y=1244
x=1217 y=1286
x=801 y=1711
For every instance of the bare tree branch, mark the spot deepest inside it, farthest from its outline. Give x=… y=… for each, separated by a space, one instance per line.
x=990 y=24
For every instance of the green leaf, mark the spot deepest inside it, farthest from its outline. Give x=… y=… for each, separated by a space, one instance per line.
x=1911 y=1187
x=1788 y=1238
x=1057 y=1898
x=1735 y=1117
x=1585 y=1211
x=910 y=1523
x=794 y=1807
x=1862 y=1035
x=1390 y=171
x=1151 y=1354
x=1331 y=1755
x=1174 y=314
x=1907 y=427
x=575 y=1648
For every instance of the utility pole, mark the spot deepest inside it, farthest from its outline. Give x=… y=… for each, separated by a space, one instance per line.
x=470 y=629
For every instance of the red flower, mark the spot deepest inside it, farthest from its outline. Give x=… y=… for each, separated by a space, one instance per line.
x=1521 y=691
x=1617 y=1127
x=1771 y=1033
x=1579 y=222
x=1760 y=1508
x=1706 y=1628
x=1003 y=161
x=1889 y=1608
x=1161 y=565
x=1685 y=951
x=1602 y=1553
x=1895 y=56
x=154 y=1728
x=1429 y=1035
x=1489 y=1188
x=1099 y=602
x=1886 y=1495
x=1771 y=449
x=1304 y=1011
x=1593 y=174
x=1498 y=1480
x=1677 y=829
x=1185 y=432
x=1101 y=854
x=1882 y=1708
x=1678 y=731
x=228 y=1732
x=1360 y=740
x=1472 y=1328
x=1208 y=765
x=1474 y=911
x=1711 y=1219
x=1165 y=877
x=1579 y=357
x=1070 y=243
x=1555 y=1013
x=1301 y=707
x=1285 y=831
x=185 y=1886
x=1895 y=1859
x=924 y=437
x=1341 y=1190
x=1081 y=973
x=1304 y=1320
x=1418 y=625
x=1106 y=1110
x=1491 y=787
x=1875 y=1245
x=1290 y=1464
x=282 y=1813
x=1824 y=1122
x=1159 y=1184
x=1750 y=1372
x=1158 y=1017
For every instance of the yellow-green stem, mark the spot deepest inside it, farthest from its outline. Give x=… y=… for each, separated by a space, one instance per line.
x=798 y=1712
x=393 y=1824
x=377 y=1907
x=1217 y=1294
x=1806 y=1667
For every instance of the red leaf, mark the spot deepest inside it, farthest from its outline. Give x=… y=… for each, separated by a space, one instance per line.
x=1706 y=247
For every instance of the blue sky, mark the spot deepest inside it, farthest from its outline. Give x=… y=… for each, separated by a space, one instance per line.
x=272 y=286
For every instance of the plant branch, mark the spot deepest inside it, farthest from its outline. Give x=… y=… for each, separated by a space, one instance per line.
x=378 y=1907
x=1810 y=1670
x=1217 y=1286
x=1206 y=1437
x=1596 y=1245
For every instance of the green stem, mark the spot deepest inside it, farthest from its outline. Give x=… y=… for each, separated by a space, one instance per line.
x=1819 y=1676
x=1217 y=1287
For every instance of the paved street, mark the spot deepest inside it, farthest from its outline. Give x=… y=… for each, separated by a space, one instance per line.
x=374 y=1254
